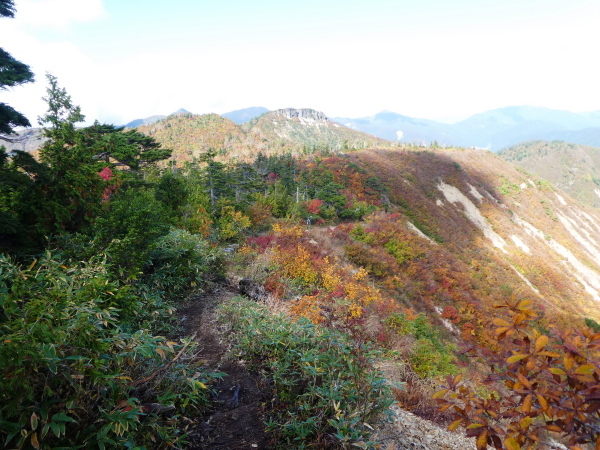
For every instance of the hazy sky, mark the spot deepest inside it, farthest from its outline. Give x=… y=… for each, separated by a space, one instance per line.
x=126 y=59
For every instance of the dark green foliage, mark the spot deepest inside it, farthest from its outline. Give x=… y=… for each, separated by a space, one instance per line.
x=12 y=73
x=172 y=192
x=326 y=389
x=77 y=345
x=7 y=8
x=181 y=261
x=128 y=230
x=592 y=324
x=72 y=192
x=125 y=149
x=20 y=199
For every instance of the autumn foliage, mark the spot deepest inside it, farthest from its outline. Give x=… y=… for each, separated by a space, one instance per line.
x=547 y=385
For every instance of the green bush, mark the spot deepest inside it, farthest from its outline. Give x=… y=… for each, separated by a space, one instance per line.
x=73 y=363
x=180 y=261
x=327 y=391
x=429 y=357
x=128 y=230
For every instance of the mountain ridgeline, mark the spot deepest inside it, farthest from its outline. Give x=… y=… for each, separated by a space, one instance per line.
x=286 y=130
x=492 y=130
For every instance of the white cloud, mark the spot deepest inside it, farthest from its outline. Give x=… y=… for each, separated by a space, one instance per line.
x=59 y=13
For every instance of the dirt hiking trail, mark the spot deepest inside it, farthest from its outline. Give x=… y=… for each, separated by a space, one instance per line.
x=235 y=420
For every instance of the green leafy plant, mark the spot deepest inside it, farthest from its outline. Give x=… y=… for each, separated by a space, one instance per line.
x=180 y=261
x=77 y=355
x=327 y=391
x=430 y=356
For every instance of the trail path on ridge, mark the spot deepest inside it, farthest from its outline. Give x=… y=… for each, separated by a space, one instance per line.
x=235 y=420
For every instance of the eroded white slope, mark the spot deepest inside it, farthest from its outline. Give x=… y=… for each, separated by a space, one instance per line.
x=453 y=195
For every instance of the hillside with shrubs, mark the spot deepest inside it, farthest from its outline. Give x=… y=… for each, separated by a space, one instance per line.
x=448 y=281
x=573 y=168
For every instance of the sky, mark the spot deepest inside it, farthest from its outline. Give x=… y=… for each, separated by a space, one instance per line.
x=438 y=59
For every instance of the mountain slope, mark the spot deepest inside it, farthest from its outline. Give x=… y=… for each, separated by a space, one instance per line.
x=308 y=128
x=190 y=135
x=571 y=167
x=509 y=228
x=28 y=140
x=275 y=132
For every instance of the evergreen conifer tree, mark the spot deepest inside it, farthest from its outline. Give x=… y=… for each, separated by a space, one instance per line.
x=12 y=73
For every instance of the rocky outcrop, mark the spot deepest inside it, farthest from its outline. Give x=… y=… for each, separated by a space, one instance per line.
x=252 y=289
x=305 y=113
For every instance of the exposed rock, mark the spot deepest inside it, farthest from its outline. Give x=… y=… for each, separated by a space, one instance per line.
x=305 y=113
x=252 y=289
x=408 y=431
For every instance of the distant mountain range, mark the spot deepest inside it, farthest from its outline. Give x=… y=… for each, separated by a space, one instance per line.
x=244 y=115
x=153 y=119
x=493 y=130
x=573 y=168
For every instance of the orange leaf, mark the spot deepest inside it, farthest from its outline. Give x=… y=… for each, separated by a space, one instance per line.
x=457 y=378
x=501 y=323
x=520 y=318
x=543 y=402
x=454 y=425
x=440 y=394
x=501 y=330
x=526 y=406
x=34 y=441
x=525 y=422
x=524 y=381
x=482 y=440
x=523 y=304
x=516 y=358
x=550 y=354
x=586 y=369
x=511 y=444
x=540 y=343
x=569 y=362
